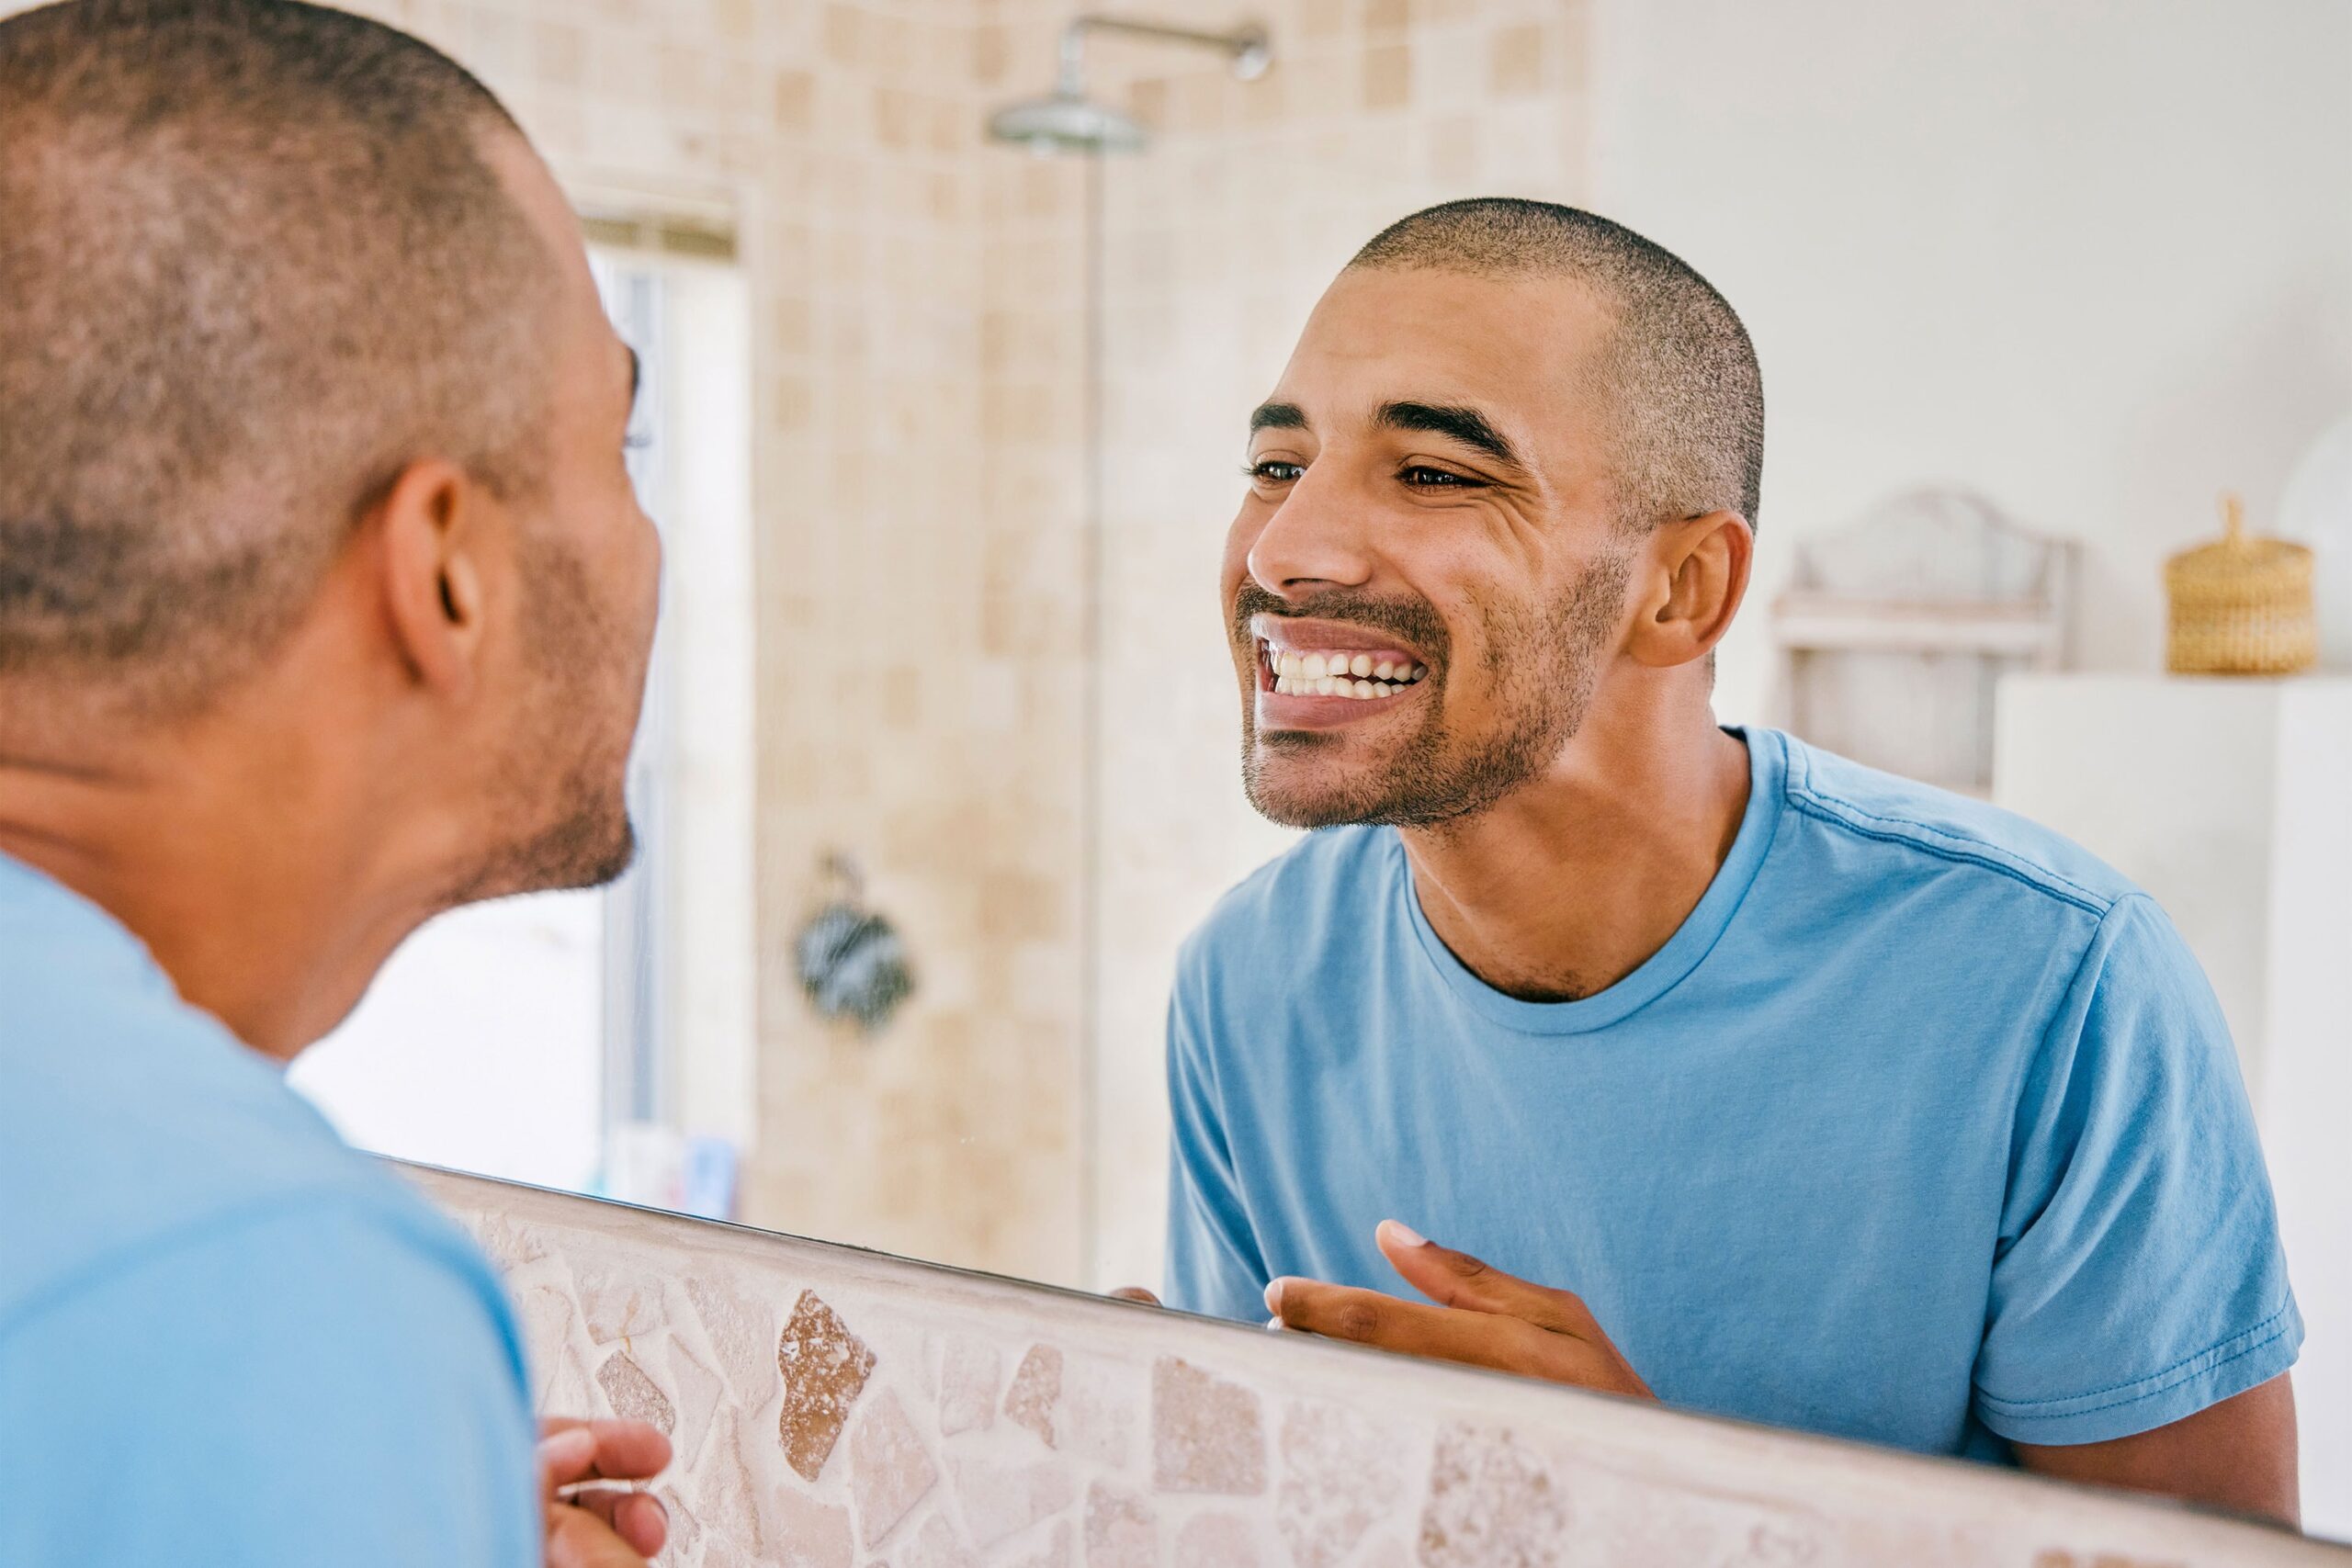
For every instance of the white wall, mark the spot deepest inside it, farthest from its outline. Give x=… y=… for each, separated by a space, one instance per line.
x=2093 y=259
x=478 y=1046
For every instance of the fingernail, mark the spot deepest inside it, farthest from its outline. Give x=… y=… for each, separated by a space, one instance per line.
x=1274 y=1323
x=1274 y=1297
x=573 y=1445
x=1403 y=1234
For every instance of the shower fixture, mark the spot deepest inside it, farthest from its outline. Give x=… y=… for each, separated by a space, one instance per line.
x=1066 y=120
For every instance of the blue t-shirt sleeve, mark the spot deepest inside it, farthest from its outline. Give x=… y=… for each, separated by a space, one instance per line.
x=303 y=1384
x=1213 y=1261
x=2139 y=1277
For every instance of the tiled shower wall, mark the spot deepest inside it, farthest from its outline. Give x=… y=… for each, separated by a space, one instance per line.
x=837 y=1409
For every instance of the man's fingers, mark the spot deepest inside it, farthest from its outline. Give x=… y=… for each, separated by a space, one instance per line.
x=629 y=1451
x=1367 y=1318
x=1457 y=1280
x=601 y=1526
x=577 y=1539
x=638 y=1518
x=566 y=1455
x=1134 y=1294
x=614 y=1449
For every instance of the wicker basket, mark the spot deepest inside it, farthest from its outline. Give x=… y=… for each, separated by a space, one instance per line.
x=2242 y=606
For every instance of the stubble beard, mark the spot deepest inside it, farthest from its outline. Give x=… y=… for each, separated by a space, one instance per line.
x=572 y=829
x=591 y=843
x=1542 y=665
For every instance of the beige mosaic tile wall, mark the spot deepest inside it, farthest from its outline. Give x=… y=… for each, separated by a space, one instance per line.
x=838 y=1410
x=912 y=550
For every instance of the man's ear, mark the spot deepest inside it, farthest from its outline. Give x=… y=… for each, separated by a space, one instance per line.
x=431 y=536
x=1696 y=574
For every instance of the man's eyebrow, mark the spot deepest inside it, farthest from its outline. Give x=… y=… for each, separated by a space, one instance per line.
x=636 y=376
x=1465 y=425
x=1277 y=416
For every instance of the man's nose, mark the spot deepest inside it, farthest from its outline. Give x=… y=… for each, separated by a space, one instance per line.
x=1314 y=539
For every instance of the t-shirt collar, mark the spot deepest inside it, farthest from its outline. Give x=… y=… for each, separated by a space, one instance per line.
x=1663 y=970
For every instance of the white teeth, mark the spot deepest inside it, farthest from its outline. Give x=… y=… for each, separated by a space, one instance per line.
x=1364 y=676
x=1335 y=686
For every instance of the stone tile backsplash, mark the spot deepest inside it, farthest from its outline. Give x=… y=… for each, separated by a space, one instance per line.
x=833 y=1408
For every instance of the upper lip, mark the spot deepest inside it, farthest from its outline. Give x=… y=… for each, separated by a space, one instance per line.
x=1287 y=636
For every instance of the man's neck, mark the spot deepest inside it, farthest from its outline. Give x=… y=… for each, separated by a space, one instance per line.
x=1567 y=885
x=211 y=856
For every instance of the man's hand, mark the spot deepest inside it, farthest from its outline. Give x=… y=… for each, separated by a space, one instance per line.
x=592 y=1526
x=1486 y=1319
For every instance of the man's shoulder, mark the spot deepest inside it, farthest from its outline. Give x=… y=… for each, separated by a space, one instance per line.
x=314 y=1343
x=1329 y=874
x=1899 y=829
x=140 y=1126
x=280 y=1207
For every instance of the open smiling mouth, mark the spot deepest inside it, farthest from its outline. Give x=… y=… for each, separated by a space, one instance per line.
x=1367 y=676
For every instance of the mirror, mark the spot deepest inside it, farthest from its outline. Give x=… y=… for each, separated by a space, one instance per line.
x=940 y=766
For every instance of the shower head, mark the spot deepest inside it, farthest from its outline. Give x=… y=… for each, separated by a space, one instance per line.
x=1068 y=121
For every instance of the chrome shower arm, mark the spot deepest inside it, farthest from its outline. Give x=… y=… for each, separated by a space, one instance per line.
x=1246 y=45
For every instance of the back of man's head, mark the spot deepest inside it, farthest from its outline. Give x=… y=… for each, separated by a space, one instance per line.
x=1678 y=373
x=253 y=260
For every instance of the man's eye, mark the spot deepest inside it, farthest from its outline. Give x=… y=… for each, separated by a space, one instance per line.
x=1436 y=479
x=637 y=441
x=1274 y=473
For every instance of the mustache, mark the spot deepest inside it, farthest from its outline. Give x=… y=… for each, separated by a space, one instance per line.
x=1409 y=618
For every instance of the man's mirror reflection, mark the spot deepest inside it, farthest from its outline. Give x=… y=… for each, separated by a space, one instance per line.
x=801 y=691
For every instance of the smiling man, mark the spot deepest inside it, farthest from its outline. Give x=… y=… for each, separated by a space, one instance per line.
x=1743 y=1076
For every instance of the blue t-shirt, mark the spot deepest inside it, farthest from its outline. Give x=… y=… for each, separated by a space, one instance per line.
x=1924 y=1129
x=225 y=1336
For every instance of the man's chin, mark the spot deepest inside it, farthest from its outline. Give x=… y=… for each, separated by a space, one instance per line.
x=585 y=851
x=1295 y=791
x=594 y=856
x=1300 y=781
x=620 y=853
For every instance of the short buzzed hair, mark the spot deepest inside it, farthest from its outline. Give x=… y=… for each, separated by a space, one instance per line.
x=1677 y=370
x=254 y=262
